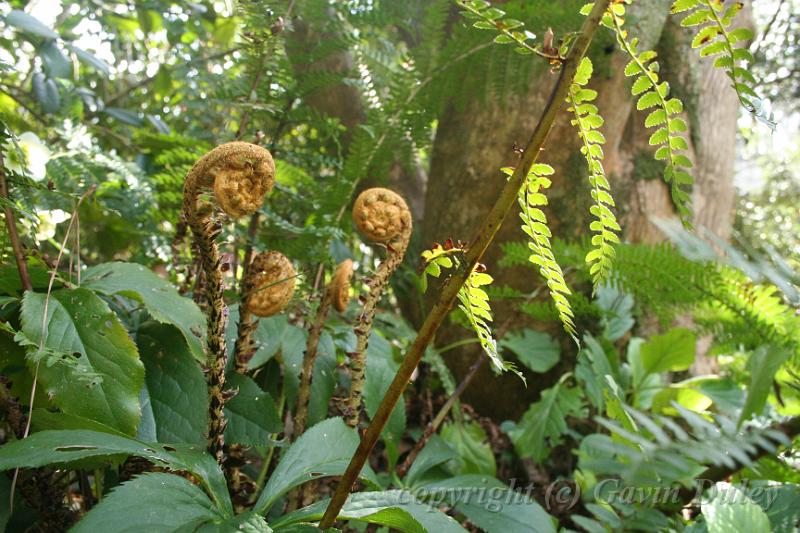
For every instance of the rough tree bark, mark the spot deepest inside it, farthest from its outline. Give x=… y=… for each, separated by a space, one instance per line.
x=472 y=143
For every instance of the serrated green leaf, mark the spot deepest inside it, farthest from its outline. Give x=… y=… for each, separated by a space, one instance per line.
x=251 y=414
x=324 y=449
x=102 y=379
x=176 y=388
x=153 y=502
x=159 y=297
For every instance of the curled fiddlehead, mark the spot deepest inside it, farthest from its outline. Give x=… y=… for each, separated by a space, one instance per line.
x=382 y=216
x=268 y=288
x=239 y=175
x=339 y=287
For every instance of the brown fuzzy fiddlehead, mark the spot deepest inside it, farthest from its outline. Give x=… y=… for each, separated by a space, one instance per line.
x=382 y=216
x=268 y=288
x=239 y=175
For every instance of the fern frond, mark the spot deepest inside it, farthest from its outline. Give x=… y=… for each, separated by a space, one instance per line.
x=588 y=122
x=667 y=136
x=660 y=450
x=510 y=29
x=714 y=38
x=473 y=300
x=534 y=224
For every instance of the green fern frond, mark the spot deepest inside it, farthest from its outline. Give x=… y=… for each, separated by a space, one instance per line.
x=667 y=136
x=473 y=300
x=588 y=122
x=715 y=38
x=510 y=29
x=658 y=451
x=534 y=224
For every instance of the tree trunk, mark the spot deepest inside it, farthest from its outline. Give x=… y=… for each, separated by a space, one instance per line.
x=473 y=143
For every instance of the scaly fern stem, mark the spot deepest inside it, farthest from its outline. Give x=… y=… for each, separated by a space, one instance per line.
x=307 y=372
x=363 y=328
x=483 y=239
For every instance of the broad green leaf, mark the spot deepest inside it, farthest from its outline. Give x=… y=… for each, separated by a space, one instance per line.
x=475 y=455
x=763 y=365
x=246 y=522
x=55 y=63
x=152 y=502
x=534 y=349
x=66 y=446
x=544 y=422
x=396 y=509
x=688 y=397
x=323 y=381
x=27 y=23
x=102 y=376
x=435 y=453
x=672 y=351
x=45 y=90
x=781 y=503
x=176 y=388
x=491 y=505
x=159 y=297
x=124 y=116
x=323 y=450
x=251 y=414
x=90 y=59
x=731 y=510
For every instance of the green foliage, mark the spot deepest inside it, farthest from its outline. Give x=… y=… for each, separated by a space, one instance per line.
x=673 y=351
x=473 y=300
x=175 y=395
x=663 y=450
x=588 y=121
x=488 y=17
x=650 y=93
x=396 y=509
x=66 y=446
x=534 y=224
x=544 y=423
x=151 y=502
x=323 y=450
x=251 y=414
x=99 y=374
x=159 y=297
x=535 y=349
x=716 y=38
x=493 y=506
x=475 y=455
x=745 y=515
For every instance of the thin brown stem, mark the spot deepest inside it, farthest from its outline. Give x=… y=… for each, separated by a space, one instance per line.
x=307 y=372
x=16 y=245
x=485 y=236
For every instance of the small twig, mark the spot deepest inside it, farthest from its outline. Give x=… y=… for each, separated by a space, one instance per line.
x=16 y=245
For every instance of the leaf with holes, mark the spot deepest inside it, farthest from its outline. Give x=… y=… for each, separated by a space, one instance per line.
x=99 y=374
